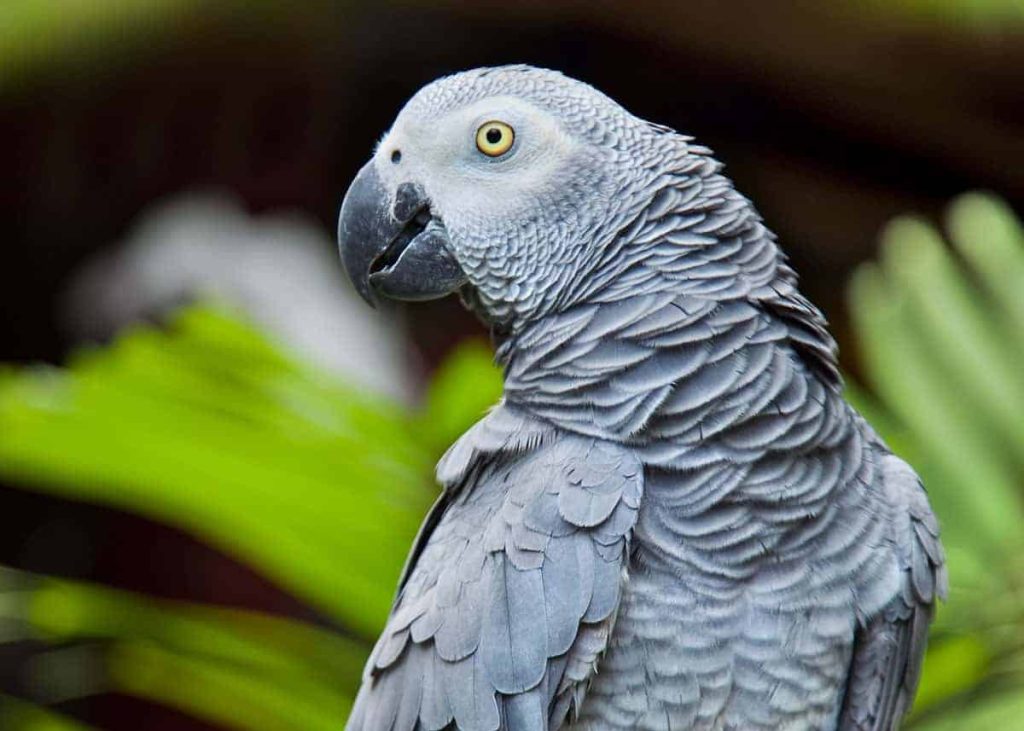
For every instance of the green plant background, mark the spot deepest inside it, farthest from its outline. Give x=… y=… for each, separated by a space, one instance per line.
x=207 y=426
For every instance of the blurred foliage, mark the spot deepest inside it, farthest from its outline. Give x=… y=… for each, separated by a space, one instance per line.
x=208 y=427
x=31 y=31
x=980 y=14
x=941 y=336
x=18 y=714
x=77 y=37
x=72 y=37
x=242 y=669
x=305 y=470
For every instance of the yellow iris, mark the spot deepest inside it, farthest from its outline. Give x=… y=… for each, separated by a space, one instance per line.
x=494 y=138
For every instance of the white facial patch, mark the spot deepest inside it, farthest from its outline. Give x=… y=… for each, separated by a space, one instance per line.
x=442 y=154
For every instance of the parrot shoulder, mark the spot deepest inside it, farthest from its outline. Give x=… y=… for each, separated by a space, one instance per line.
x=512 y=587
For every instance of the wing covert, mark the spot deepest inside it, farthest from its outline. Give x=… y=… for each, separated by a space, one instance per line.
x=889 y=649
x=508 y=600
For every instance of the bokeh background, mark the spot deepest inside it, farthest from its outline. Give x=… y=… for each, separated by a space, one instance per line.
x=213 y=458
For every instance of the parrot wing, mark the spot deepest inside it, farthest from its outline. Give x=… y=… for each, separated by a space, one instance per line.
x=512 y=586
x=889 y=649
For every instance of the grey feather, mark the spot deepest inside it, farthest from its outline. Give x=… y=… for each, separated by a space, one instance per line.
x=513 y=639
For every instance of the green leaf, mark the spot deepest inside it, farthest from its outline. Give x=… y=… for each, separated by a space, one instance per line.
x=953 y=665
x=19 y=715
x=941 y=347
x=64 y=611
x=1002 y=712
x=209 y=428
x=221 y=694
x=207 y=661
x=957 y=326
x=991 y=239
x=906 y=376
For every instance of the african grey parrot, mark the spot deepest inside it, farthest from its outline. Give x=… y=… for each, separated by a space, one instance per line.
x=672 y=519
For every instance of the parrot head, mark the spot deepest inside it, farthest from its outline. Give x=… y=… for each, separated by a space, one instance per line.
x=506 y=183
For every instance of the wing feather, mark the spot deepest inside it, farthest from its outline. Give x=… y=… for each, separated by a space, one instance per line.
x=513 y=585
x=889 y=649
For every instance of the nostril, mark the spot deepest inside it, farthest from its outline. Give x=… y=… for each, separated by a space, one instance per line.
x=396 y=156
x=409 y=200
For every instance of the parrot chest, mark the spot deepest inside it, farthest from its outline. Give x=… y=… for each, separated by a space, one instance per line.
x=734 y=618
x=705 y=658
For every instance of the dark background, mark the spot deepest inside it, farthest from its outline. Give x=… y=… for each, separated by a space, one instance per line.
x=831 y=118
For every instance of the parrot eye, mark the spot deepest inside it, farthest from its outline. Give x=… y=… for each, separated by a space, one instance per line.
x=494 y=138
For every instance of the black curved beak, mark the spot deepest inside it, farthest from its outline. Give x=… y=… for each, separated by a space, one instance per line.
x=398 y=251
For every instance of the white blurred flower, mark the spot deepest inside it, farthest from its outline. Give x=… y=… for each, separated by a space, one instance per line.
x=281 y=270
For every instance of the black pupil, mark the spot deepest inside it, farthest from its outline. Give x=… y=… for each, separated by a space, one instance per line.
x=494 y=135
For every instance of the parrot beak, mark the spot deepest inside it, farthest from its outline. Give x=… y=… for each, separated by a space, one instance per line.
x=398 y=251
